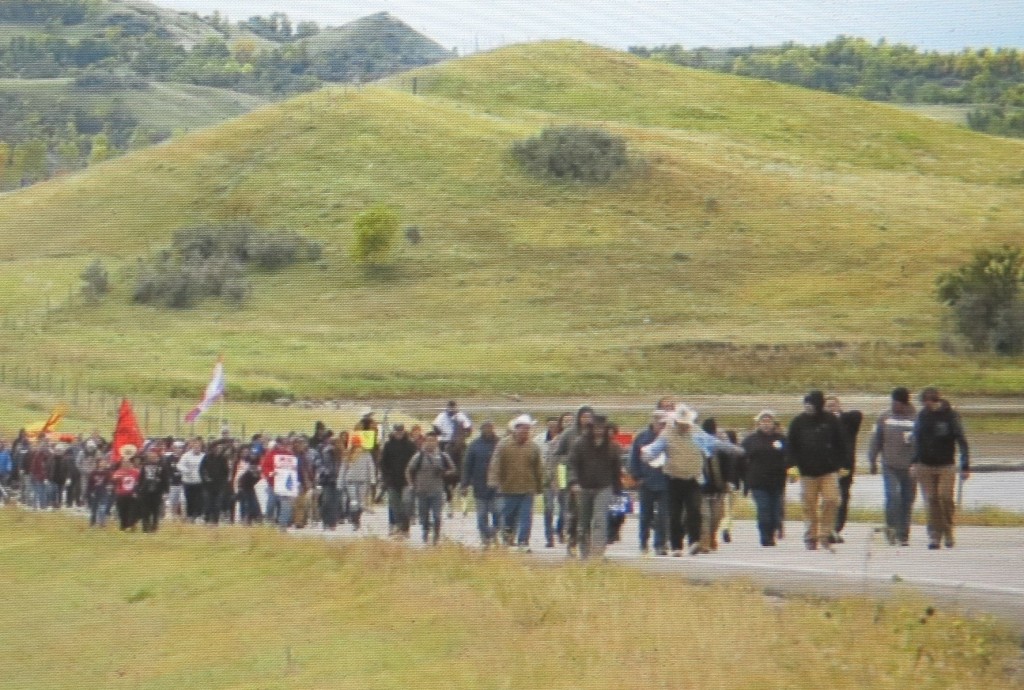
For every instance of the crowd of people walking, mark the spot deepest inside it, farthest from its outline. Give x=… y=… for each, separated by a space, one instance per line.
x=684 y=474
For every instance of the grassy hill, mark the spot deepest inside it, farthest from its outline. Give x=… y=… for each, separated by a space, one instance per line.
x=375 y=32
x=776 y=238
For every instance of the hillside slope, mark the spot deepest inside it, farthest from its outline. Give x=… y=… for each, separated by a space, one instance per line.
x=789 y=238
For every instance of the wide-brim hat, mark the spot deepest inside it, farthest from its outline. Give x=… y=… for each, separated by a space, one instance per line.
x=685 y=415
x=523 y=420
x=129 y=450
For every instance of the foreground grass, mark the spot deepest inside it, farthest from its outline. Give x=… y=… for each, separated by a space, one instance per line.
x=190 y=607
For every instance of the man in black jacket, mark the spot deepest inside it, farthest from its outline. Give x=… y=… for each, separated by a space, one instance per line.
x=849 y=422
x=938 y=433
x=817 y=448
x=394 y=459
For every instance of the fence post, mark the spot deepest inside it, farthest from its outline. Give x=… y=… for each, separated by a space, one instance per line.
x=243 y=436
x=161 y=427
x=145 y=418
x=177 y=421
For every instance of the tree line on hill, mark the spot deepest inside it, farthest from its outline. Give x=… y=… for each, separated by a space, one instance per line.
x=126 y=48
x=992 y=79
x=38 y=143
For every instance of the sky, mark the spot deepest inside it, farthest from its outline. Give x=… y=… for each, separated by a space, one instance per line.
x=469 y=25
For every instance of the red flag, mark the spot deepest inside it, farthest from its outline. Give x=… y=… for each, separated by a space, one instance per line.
x=127 y=430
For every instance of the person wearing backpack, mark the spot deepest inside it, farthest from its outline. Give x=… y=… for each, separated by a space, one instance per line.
x=426 y=475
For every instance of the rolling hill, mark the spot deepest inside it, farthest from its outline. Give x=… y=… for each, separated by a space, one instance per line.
x=774 y=238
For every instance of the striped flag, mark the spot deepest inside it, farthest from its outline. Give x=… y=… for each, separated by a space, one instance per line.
x=214 y=391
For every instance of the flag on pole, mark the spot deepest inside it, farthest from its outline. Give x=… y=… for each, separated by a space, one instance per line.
x=127 y=431
x=214 y=391
x=41 y=429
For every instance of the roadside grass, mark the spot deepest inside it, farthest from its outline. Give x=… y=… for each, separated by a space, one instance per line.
x=762 y=249
x=190 y=607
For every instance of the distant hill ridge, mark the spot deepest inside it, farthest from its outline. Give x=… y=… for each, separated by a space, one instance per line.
x=109 y=52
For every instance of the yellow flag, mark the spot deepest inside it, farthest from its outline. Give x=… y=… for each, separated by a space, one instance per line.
x=43 y=428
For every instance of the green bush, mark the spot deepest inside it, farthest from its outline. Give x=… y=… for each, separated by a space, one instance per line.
x=96 y=279
x=210 y=261
x=375 y=233
x=573 y=154
x=984 y=297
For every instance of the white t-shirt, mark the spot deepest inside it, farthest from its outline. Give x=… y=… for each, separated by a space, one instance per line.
x=189 y=467
x=446 y=424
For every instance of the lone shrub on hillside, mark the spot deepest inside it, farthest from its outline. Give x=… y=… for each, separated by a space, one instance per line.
x=985 y=298
x=375 y=234
x=573 y=154
x=96 y=279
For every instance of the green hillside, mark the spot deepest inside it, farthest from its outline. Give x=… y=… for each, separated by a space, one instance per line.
x=775 y=238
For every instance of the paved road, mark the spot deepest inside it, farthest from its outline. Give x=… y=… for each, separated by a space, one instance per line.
x=984 y=573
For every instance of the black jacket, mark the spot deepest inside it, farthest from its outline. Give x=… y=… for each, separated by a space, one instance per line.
x=394 y=459
x=938 y=434
x=595 y=467
x=816 y=444
x=767 y=461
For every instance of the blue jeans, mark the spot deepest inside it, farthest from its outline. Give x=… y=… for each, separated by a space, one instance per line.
x=39 y=494
x=99 y=508
x=285 y=509
x=653 y=515
x=488 y=516
x=769 y=512
x=399 y=508
x=517 y=511
x=900 y=493
x=430 y=513
x=273 y=506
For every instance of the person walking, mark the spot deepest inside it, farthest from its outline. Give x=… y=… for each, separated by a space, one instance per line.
x=595 y=475
x=191 y=480
x=893 y=440
x=98 y=485
x=126 y=487
x=357 y=478
x=817 y=447
x=767 y=463
x=395 y=456
x=517 y=473
x=653 y=486
x=426 y=475
x=938 y=432
x=685 y=446
x=153 y=485
x=562 y=446
x=849 y=422
x=475 y=468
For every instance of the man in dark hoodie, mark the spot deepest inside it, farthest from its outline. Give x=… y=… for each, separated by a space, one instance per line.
x=475 y=466
x=817 y=448
x=938 y=432
x=849 y=421
x=394 y=460
x=893 y=439
x=562 y=445
x=595 y=474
